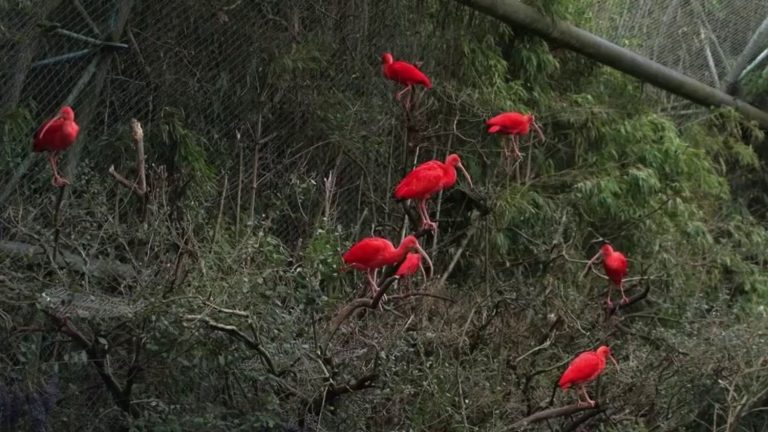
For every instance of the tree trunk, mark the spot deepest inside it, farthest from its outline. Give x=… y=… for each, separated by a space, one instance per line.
x=517 y=14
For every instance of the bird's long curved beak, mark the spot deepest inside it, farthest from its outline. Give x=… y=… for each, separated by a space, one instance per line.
x=538 y=131
x=424 y=254
x=614 y=362
x=466 y=174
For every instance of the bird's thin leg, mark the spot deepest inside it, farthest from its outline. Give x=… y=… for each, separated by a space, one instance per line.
x=608 y=301
x=516 y=148
x=426 y=222
x=399 y=94
x=409 y=99
x=57 y=180
x=372 y=283
x=588 y=401
x=505 y=144
x=419 y=208
x=624 y=298
x=578 y=394
x=371 y=274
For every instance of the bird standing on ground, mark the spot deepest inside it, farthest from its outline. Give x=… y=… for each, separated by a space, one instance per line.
x=513 y=125
x=584 y=368
x=54 y=136
x=615 y=266
x=372 y=253
x=403 y=73
x=428 y=179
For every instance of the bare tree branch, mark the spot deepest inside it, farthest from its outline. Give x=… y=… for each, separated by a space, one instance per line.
x=552 y=413
x=239 y=335
x=139 y=187
x=121 y=395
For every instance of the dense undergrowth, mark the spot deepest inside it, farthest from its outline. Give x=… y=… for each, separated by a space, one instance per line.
x=222 y=321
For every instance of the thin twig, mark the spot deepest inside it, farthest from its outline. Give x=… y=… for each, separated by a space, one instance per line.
x=221 y=209
x=239 y=335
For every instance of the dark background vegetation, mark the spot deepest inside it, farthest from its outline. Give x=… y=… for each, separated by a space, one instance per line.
x=272 y=142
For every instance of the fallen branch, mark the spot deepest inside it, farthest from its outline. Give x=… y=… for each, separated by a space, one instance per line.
x=139 y=187
x=552 y=413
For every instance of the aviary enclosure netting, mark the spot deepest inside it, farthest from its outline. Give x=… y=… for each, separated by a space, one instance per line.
x=273 y=116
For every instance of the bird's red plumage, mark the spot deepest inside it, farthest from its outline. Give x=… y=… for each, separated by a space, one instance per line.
x=56 y=134
x=424 y=181
x=406 y=73
x=369 y=253
x=582 y=369
x=403 y=72
x=510 y=123
x=615 y=266
x=374 y=252
x=409 y=265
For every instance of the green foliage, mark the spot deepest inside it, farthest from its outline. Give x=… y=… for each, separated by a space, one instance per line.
x=189 y=147
x=238 y=330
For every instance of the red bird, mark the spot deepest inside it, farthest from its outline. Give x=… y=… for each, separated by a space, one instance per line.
x=428 y=179
x=514 y=125
x=55 y=136
x=615 y=266
x=410 y=265
x=583 y=369
x=372 y=253
x=403 y=73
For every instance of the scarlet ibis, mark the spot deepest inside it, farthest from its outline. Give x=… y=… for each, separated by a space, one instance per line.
x=615 y=266
x=404 y=73
x=409 y=266
x=426 y=180
x=583 y=369
x=372 y=253
x=513 y=124
x=54 y=136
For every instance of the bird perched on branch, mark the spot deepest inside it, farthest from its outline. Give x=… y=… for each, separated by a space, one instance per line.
x=372 y=253
x=404 y=73
x=583 y=369
x=410 y=265
x=513 y=125
x=428 y=179
x=54 y=136
x=615 y=266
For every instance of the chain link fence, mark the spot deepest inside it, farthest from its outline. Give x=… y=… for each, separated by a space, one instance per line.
x=260 y=98
x=700 y=38
x=271 y=91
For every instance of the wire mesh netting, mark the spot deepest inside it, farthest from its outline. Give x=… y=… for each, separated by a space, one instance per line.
x=247 y=84
x=270 y=91
x=700 y=38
